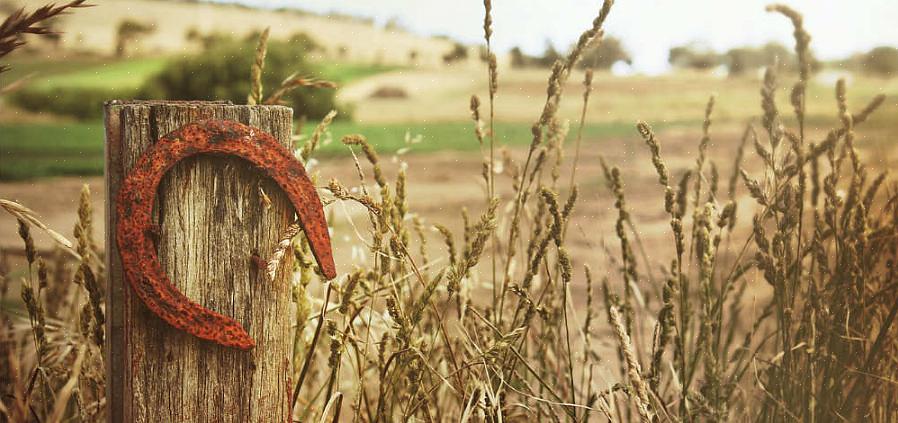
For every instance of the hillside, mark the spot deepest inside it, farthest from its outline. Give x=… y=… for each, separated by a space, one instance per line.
x=94 y=30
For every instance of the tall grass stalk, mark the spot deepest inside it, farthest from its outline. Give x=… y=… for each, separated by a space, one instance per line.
x=792 y=317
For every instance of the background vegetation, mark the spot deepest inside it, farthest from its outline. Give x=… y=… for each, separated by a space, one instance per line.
x=749 y=278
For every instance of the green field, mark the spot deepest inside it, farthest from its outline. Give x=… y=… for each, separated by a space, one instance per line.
x=31 y=150
x=343 y=73
x=47 y=74
x=129 y=74
x=39 y=150
x=124 y=75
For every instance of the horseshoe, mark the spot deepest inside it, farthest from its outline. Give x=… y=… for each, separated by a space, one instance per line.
x=134 y=218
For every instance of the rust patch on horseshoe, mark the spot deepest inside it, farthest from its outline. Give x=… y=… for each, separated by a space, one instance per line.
x=134 y=219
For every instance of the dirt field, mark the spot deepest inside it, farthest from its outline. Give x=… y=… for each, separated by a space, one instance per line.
x=442 y=183
x=444 y=95
x=439 y=186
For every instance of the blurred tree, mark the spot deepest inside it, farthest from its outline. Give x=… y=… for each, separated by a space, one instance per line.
x=550 y=55
x=193 y=35
x=207 y=41
x=774 y=53
x=692 y=56
x=881 y=61
x=741 y=60
x=128 y=30
x=55 y=37
x=459 y=52
x=301 y=40
x=394 y=24
x=518 y=58
x=223 y=73
x=483 y=54
x=604 y=53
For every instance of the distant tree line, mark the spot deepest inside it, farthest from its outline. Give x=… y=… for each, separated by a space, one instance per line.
x=600 y=55
x=737 y=61
x=880 y=61
x=743 y=60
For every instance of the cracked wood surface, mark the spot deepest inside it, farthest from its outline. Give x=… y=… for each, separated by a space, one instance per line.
x=211 y=219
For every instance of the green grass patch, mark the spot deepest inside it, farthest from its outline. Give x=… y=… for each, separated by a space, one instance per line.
x=343 y=73
x=41 y=67
x=126 y=75
x=442 y=136
x=91 y=72
x=30 y=151
x=130 y=74
x=36 y=150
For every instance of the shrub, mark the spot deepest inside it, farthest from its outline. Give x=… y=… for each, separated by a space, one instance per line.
x=882 y=61
x=518 y=58
x=459 y=52
x=207 y=40
x=223 y=73
x=549 y=57
x=693 y=57
x=128 y=31
x=741 y=60
x=302 y=41
x=604 y=53
x=389 y=91
x=417 y=335
x=81 y=103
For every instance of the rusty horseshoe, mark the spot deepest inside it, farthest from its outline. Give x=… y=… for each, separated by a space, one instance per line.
x=134 y=219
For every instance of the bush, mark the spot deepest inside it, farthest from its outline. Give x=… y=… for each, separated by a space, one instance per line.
x=389 y=91
x=693 y=57
x=549 y=57
x=521 y=60
x=223 y=73
x=128 y=31
x=742 y=60
x=604 y=53
x=81 y=103
x=518 y=58
x=882 y=61
x=459 y=52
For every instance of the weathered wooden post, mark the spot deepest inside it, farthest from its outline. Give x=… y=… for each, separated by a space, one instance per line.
x=211 y=219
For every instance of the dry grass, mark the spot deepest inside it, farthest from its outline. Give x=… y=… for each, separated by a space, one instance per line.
x=342 y=39
x=19 y=23
x=52 y=351
x=486 y=330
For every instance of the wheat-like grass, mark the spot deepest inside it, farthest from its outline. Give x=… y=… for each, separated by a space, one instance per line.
x=414 y=336
x=255 y=93
x=20 y=23
x=633 y=369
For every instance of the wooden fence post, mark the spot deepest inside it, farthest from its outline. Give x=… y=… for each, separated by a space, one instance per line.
x=212 y=218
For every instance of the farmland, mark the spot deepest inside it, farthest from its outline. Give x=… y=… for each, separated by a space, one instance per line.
x=512 y=242
x=435 y=109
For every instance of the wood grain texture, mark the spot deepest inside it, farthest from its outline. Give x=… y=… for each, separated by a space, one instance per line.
x=211 y=219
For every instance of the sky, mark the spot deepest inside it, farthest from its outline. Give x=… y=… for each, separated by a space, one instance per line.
x=648 y=28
